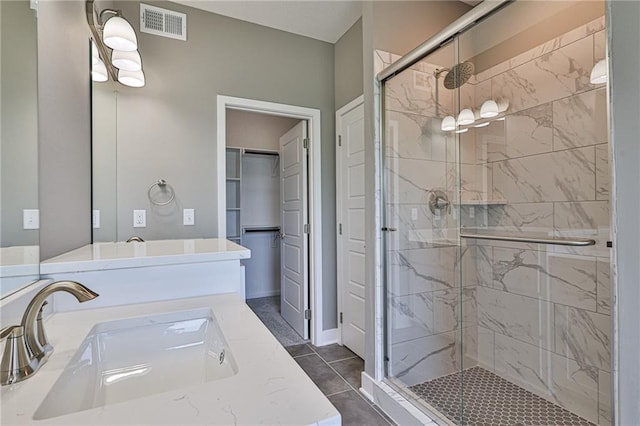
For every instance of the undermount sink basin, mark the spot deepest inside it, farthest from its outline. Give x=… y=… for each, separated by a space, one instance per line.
x=136 y=357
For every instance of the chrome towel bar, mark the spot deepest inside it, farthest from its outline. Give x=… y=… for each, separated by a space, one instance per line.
x=558 y=241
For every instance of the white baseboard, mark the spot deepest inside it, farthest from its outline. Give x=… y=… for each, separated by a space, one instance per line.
x=263 y=294
x=327 y=337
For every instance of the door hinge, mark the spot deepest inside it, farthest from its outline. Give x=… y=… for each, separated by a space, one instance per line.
x=307 y=314
x=305 y=143
x=306 y=228
x=340 y=317
x=340 y=229
x=339 y=140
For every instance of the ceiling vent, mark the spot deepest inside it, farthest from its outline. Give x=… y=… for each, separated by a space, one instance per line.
x=163 y=22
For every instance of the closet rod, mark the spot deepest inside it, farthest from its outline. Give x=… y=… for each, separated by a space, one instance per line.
x=249 y=151
x=262 y=229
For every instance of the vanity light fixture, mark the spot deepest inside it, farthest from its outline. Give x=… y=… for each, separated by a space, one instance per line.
x=131 y=78
x=466 y=117
x=118 y=33
x=127 y=61
x=599 y=72
x=484 y=124
x=489 y=109
x=114 y=47
x=448 y=124
x=465 y=130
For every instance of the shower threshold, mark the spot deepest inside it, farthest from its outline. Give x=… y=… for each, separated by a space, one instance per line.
x=490 y=400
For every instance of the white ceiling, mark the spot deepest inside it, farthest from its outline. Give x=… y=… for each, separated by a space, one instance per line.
x=321 y=20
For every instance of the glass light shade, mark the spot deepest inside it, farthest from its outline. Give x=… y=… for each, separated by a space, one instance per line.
x=489 y=109
x=466 y=117
x=118 y=34
x=485 y=124
x=462 y=130
x=95 y=54
x=131 y=78
x=99 y=72
x=599 y=72
x=128 y=61
x=448 y=124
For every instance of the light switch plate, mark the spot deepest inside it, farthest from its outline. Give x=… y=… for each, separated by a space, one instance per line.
x=31 y=219
x=188 y=217
x=139 y=218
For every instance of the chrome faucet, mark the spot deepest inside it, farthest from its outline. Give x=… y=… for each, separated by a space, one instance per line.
x=27 y=347
x=136 y=239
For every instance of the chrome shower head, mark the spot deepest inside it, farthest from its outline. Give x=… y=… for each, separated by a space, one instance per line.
x=458 y=75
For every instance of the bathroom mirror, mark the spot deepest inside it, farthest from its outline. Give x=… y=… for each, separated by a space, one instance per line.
x=19 y=216
x=104 y=106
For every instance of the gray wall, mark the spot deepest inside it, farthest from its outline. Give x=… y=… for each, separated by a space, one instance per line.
x=624 y=38
x=253 y=130
x=64 y=124
x=167 y=129
x=348 y=65
x=396 y=27
x=19 y=128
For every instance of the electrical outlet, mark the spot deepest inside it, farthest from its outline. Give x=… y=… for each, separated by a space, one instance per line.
x=31 y=219
x=414 y=213
x=139 y=218
x=95 y=219
x=188 y=217
x=472 y=212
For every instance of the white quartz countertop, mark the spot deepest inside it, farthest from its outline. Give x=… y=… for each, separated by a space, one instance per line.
x=101 y=256
x=269 y=387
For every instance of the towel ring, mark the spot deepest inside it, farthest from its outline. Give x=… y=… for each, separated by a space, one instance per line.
x=163 y=186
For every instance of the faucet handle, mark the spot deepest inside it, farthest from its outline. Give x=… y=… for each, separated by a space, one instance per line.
x=17 y=363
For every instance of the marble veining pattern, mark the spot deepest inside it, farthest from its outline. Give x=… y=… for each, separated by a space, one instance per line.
x=580 y=120
x=559 y=176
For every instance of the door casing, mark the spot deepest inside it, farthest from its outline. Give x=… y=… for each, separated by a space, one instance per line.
x=319 y=336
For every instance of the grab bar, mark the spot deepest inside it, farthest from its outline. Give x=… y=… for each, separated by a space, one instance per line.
x=558 y=241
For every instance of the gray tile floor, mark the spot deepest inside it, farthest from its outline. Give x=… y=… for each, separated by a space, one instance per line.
x=333 y=368
x=336 y=371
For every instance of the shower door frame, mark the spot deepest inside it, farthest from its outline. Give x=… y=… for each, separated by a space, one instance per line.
x=380 y=326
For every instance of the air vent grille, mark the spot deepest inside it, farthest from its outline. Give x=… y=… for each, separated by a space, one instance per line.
x=163 y=22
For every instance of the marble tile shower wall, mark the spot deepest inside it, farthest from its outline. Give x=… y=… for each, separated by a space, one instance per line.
x=544 y=311
x=536 y=315
x=424 y=310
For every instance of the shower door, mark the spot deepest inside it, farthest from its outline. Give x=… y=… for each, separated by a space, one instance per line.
x=496 y=203
x=421 y=177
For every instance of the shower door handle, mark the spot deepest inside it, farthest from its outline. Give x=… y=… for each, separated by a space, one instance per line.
x=388 y=229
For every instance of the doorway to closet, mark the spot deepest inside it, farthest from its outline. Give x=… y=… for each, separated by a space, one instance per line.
x=269 y=190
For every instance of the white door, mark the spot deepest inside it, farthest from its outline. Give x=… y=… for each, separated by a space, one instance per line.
x=350 y=218
x=294 y=291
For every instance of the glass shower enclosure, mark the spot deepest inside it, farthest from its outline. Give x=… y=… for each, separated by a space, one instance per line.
x=496 y=207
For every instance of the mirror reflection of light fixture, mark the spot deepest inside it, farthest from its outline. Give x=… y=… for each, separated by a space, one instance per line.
x=123 y=64
x=599 y=72
x=448 y=124
x=489 y=109
x=466 y=117
x=99 y=72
